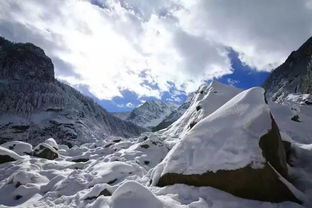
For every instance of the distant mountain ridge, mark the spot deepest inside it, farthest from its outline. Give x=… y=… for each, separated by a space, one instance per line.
x=293 y=76
x=35 y=106
x=176 y=114
x=149 y=114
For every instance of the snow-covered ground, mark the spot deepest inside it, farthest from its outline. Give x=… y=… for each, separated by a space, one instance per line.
x=115 y=175
x=118 y=172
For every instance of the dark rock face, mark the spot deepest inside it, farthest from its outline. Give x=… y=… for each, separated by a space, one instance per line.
x=273 y=149
x=6 y=158
x=293 y=76
x=24 y=62
x=45 y=151
x=247 y=182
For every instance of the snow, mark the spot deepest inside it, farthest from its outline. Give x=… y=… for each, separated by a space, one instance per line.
x=228 y=138
x=10 y=153
x=299 y=131
x=125 y=167
x=208 y=197
x=51 y=142
x=105 y=170
x=149 y=114
x=209 y=97
x=111 y=172
x=135 y=195
x=38 y=149
x=18 y=147
x=63 y=183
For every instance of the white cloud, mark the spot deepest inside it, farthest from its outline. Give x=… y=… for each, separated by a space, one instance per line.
x=263 y=32
x=108 y=44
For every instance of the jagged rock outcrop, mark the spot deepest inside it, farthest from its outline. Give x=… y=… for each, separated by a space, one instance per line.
x=293 y=76
x=35 y=106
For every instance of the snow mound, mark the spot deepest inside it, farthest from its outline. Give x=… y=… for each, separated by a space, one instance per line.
x=51 y=142
x=9 y=153
x=227 y=139
x=132 y=194
x=112 y=172
x=18 y=147
x=207 y=99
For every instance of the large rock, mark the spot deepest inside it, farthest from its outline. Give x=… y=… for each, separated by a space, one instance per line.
x=47 y=150
x=237 y=149
x=7 y=155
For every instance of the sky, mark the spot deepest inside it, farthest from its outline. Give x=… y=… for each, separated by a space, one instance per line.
x=124 y=52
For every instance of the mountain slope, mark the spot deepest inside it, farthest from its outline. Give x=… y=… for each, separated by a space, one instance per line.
x=149 y=114
x=293 y=76
x=35 y=106
x=176 y=114
x=207 y=99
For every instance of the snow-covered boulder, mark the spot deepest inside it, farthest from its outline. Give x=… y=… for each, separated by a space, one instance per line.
x=132 y=194
x=237 y=149
x=19 y=147
x=7 y=155
x=47 y=149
